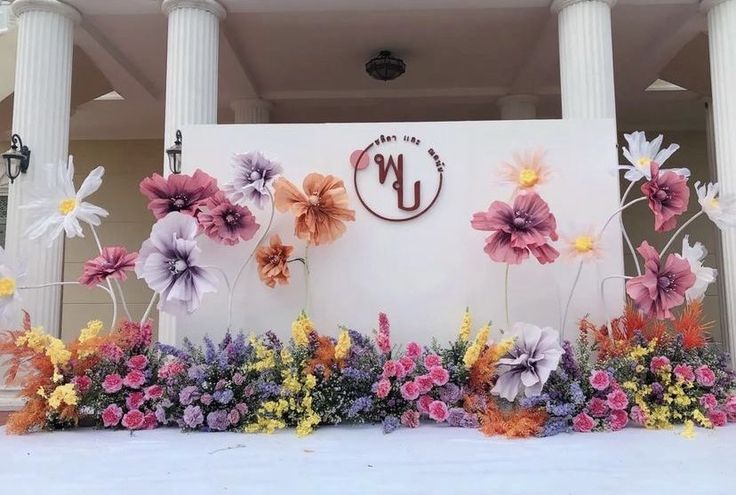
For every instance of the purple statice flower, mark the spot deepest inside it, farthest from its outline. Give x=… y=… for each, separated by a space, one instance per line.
x=561 y=410
x=455 y=417
x=223 y=396
x=196 y=373
x=168 y=262
x=193 y=416
x=160 y=414
x=450 y=393
x=555 y=426
x=534 y=401
x=272 y=341
x=252 y=179
x=359 y=405
x=577 y=394
x=188 y=394
x=218 y=420
x=390 y=423
x=357 y=374
x=210 y=351
x=268 y=389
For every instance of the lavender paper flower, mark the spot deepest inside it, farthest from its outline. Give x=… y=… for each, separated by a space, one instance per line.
x=168 y=263
x=193 y=416
x=218 y=420
x=254 y=174
x=535 y=355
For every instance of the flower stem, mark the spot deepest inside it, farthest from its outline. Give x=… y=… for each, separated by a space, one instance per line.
x=107 y=280
x=148 y=308
x=306 y=278
x=619 y=210
x=678 y=232
x=57 y=284
x=506 y=295
x=569 y=300
x=247 y=261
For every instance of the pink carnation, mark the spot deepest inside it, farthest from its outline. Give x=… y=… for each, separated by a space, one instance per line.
x=439 y=375
x=154 y=392
x=685 y=372
x=410 y=391
x=617 y=400
x=233 y=417
x=583 y=423
x=83 y=382
x=170 y=369
x=413 y=350
x=730 y=408
x=383 y=388
x=134 y=400
x=408 y=364
x=597 y=407
x=424 y=382
x=134 y=379
x=638 y=416
x=438 y=411
x=410 y=419
x=423 y=403
x=383 y=339
x=709 y=401
x=206 y=399
x=138 y=362
x=149 y=421
x=717 y=417
x=112 y=383
x=133 y=420
x=431 y=360
x=390 y=368
x=111 y=415
x=600 y=380
x=659 y=363
x=619 y=419
x=705 y=376
x=111 y=352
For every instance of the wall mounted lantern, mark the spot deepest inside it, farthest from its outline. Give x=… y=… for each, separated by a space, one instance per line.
x=174 y=154
x=16 y=158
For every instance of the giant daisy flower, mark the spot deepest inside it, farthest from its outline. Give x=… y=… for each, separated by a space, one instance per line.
x=59 y=207
x=720 y=209
x=642 y=153
x=10 y=277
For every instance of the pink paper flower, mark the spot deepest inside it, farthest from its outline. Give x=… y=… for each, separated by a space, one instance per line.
x=390 y=368
x=138 y=362
x=410 y=391
x=709 y=401
x=112 y=383
x=383 y=339
x=206 y=399
x=410 y=419
x=383 y=388
x=662 y=286
x=180 y=192
x=583 y=423
x=617 y=400
x=133 y=420
x=154 y=392
x=225 y=222
x=685 y=373
x=425 y=383
x=730 y=407
x=134 y=379
x=619 y=419
x=134 y=400
x=659 y=363
x=423 y=404
x=413 y=350
x=597 y=407
x=439 y=375
x=438 y=411
x=717 y=417
x=600 y=380
x=705 y=376
x=525 y=227
x=431 y=360
x=111 y=415
x=112 y=262
x=408 y=364
x=668 y=197
x=638 y=416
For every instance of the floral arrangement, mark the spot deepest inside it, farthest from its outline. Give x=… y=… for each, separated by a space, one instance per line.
x=652 y=366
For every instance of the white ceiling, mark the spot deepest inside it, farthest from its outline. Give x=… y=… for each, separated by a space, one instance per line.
x=307 y=57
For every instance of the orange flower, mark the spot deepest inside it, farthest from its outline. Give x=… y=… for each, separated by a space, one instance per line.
x=272 y=262
x=320 y=210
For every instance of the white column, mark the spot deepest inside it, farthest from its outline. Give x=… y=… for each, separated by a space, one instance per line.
x=722 y=44
x=191 y=81
x=251 y=111
x=586 y=58
x=518 y=107
x=41 y=104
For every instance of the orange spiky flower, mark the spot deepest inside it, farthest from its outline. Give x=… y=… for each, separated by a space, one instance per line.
x=516 y=423
x=691 y=326
x=324 y=355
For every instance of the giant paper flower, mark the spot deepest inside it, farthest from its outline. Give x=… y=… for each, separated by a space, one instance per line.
x=720 y=209
x=10 y=276
x=526 y=171
x=525 y=227
x=320 y=210
x=168 y=262
x=177 y=192
x=663 y=285
x=704 y=276
x=668 y=196
x=225 y=222
x=254 y=174
x=58 y=207
x=272 y=262
x=641 y=154
x=534 y=356
x=582 y=244
x=112 y=262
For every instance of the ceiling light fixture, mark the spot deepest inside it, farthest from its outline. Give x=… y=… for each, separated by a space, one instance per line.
x=385 y=66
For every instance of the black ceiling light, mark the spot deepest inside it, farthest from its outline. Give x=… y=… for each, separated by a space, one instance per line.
x=385 y=67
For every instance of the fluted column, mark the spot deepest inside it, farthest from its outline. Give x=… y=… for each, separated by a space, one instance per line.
x=518 y=107
x=722 y=44
x=586 y=58
x=191 y=81
x=41 y=106
x=251 y=111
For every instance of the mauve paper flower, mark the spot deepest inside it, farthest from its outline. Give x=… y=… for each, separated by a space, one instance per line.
x=663 y=285
x=168 y=263
x=525 y=227
x=218 y=420
x=193 y=416
x=272 y=262
x=112 y=262
x=535 y=354
x=111 y=415
x=254 y=174
x=720 y=209
x=668 y=197
x=225 y=222
x=704 y=276
x=177 y=192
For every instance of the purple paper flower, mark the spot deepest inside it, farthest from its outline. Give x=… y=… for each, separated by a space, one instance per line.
x=193 y=416
x=450 y=393
x=223 y=396
x=218 y=420
x=188 y=394
x=455 y=417
x=168 y=263
x=254 y=174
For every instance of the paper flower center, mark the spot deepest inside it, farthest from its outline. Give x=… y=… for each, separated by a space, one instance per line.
x=644 y=162
x=715 y=203
x=7 y=287
x=179 y=201
x=665 y=283
x=583 y=244
x=528 y=177
x=67 y=205
x=520 y=220
x=314 y=200
x=177 y=266
x=232 y=218
x=254 y=176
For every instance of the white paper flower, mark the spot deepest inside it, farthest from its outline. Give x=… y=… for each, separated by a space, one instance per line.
x=720 y=209
x=10 y=278
x=59 y=207
x=641 y=153
x=704 y=276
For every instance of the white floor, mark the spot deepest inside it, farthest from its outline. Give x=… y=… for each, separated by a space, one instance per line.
x=344 y=460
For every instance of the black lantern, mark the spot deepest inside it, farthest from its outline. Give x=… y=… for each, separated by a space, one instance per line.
x=16 y=158
x=385 y=67
x=174 y=154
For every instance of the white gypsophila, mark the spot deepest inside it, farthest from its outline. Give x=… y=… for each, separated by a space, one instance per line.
x=720 y=209
x=59 y=207
x=10 y=277
x=641 y=153
x=704 y=276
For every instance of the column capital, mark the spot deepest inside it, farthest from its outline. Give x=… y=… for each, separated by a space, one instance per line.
x=20 y=7
x=558 y=5
x=709 y=4
x=211 y=6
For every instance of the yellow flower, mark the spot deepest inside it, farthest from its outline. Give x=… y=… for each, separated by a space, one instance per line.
x=701 y=419
x=465 y=326
x=35 y=339
x=7 y=286
x=301 y=328
x=689 y=430
x=91 y=331
x=473 y=352
x=342 y=348
x=310 y=381
x=63 y=394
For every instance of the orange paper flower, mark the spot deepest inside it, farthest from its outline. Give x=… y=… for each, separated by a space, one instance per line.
x=272 y=262
x=320 y=210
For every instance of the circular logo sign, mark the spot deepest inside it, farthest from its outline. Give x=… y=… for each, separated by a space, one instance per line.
x=397 y=178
